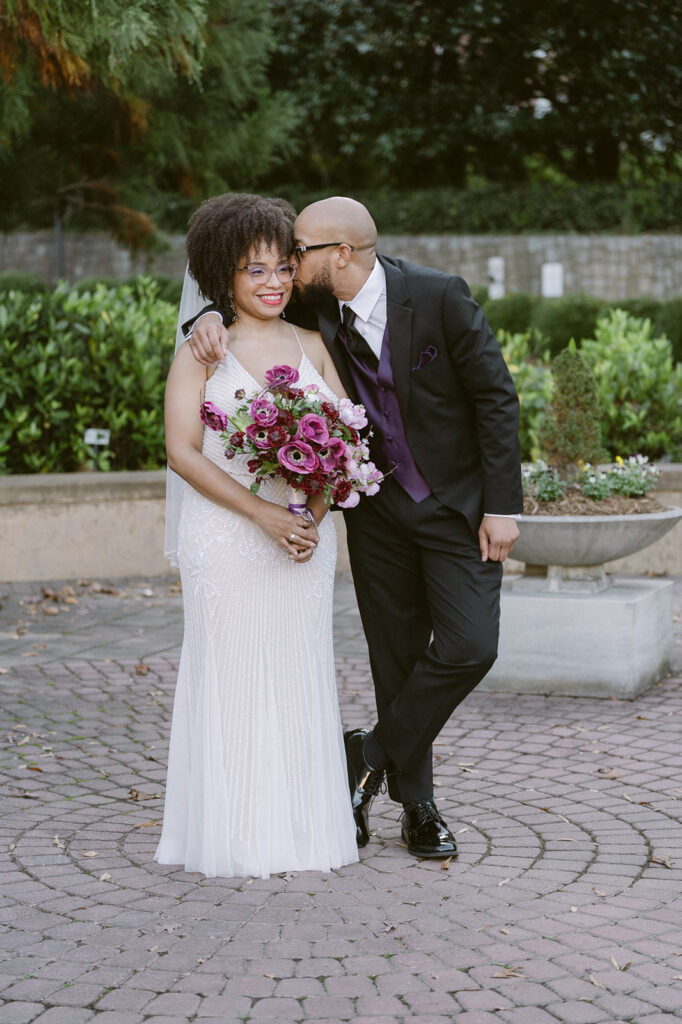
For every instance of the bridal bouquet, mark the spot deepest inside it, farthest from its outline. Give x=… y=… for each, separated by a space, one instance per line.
x=294 y=434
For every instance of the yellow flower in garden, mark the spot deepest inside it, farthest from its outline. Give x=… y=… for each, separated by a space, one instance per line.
x=619 y=460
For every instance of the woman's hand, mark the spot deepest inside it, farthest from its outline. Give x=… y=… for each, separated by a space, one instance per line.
x=293 y=533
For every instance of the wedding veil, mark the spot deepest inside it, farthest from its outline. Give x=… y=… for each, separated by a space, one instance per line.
x=190 y=303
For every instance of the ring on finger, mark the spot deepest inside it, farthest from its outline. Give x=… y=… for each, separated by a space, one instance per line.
x=292 y=538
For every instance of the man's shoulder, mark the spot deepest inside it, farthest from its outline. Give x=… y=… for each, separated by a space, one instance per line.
x=426 y=278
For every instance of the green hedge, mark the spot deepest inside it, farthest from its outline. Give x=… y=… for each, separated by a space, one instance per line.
x=516 y=209
x=638 y=383
x=98 y=357
x=556 y=321
x=76 y=360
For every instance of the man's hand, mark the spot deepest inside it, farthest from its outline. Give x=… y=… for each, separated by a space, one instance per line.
x=497 y=536
x=209 y=340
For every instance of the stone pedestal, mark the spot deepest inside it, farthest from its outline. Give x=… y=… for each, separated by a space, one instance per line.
x=616 y=642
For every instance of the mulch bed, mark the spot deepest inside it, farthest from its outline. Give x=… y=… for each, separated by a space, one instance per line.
x=579 y=505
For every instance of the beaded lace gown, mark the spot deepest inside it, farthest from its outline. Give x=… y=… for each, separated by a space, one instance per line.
x=256 y=770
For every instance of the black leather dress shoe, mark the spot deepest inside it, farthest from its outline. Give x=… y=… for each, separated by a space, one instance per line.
x=364 y=783
x=425 y=832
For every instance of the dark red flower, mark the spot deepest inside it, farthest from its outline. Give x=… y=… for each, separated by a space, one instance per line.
x=254 y=465
x=342 y=490
x=286 y=418
x=278 y=435
x=237 y=439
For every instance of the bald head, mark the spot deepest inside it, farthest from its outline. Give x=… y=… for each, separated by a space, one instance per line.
x=339 y=219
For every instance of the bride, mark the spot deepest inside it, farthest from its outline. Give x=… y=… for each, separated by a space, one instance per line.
x=257 y=771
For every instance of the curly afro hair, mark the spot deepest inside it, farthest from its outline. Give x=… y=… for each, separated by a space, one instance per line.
x=222 y=231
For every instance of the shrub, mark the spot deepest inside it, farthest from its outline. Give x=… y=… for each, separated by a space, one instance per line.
x=94 y=359
x=570 y=317
x=669 y=323
x=512 y=313
x=533 y=379
x=570 y=431
x=639 y=386
x=501 y=208
x=643 y=307
x=169 y=289
x=15 y=281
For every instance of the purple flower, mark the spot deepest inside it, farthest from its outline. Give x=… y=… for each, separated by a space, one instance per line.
x=298 y=457
x=282 y=375
x=213 y=417
x=352 y=415
x=331 y=453
x=259 y=435
x=426 y=357
x=264 y=412
x=312 y=427
x=239 y=394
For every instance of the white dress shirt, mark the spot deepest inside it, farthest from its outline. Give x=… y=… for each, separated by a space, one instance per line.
x=369 y=306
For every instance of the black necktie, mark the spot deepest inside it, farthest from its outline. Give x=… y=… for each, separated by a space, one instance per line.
x=355 y=341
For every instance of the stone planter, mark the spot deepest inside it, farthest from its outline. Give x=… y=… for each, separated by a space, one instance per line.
x=567 y=626
x=569 y=552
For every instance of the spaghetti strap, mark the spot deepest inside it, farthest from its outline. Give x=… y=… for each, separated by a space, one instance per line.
x=297 y=337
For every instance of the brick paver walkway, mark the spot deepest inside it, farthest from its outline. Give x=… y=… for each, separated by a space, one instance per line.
x=565 y=903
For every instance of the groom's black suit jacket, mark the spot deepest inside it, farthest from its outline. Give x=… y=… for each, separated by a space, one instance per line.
x=456 y=396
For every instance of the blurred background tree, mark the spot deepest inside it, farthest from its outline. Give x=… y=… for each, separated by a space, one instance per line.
x=113 y=112
x=148 y=108
x=417 y=92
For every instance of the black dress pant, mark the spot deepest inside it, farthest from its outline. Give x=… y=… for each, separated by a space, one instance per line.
x=430 y=609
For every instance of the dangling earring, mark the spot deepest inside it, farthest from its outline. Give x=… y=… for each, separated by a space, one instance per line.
x=283 y=314
x=232 y=309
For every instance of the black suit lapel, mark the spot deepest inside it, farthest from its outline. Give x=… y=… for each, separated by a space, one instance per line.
x=400 y=332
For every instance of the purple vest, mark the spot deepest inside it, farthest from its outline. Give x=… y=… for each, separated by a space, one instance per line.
x=390 y=450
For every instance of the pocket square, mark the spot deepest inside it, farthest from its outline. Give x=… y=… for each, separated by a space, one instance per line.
x=426 y=357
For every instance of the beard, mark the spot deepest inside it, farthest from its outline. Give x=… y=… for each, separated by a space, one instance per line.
x=318 y=290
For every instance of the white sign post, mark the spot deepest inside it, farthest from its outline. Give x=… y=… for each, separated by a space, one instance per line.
x=552 y=281
x=496 y=277
x=96 y=438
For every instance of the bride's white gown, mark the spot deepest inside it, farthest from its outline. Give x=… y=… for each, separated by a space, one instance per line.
x=256 y=770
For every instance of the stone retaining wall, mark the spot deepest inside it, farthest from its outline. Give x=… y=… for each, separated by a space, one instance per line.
x=62 y=526
x=609 y=266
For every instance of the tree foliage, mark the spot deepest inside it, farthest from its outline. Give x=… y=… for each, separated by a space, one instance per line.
x=407 y=92
x=117 y=111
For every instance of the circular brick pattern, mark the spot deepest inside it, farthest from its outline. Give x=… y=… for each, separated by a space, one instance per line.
x=563 y=905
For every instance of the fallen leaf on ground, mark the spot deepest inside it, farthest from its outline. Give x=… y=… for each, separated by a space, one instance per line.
x=446 y=864
x=511 y=972
x=49 y=609
x=146 y=824
x=104 y=877
x=628 y=798
x=595 y=982
x=388 y=927
x=59 y=842
x=620 y=967
x=609 y=773
x=33 y=767
x=503 y=882
x=89 y=853
x=139 y=794
x=142 y=669
x=665 y=862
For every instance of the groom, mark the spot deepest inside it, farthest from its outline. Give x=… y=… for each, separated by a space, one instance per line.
x=426 y=552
